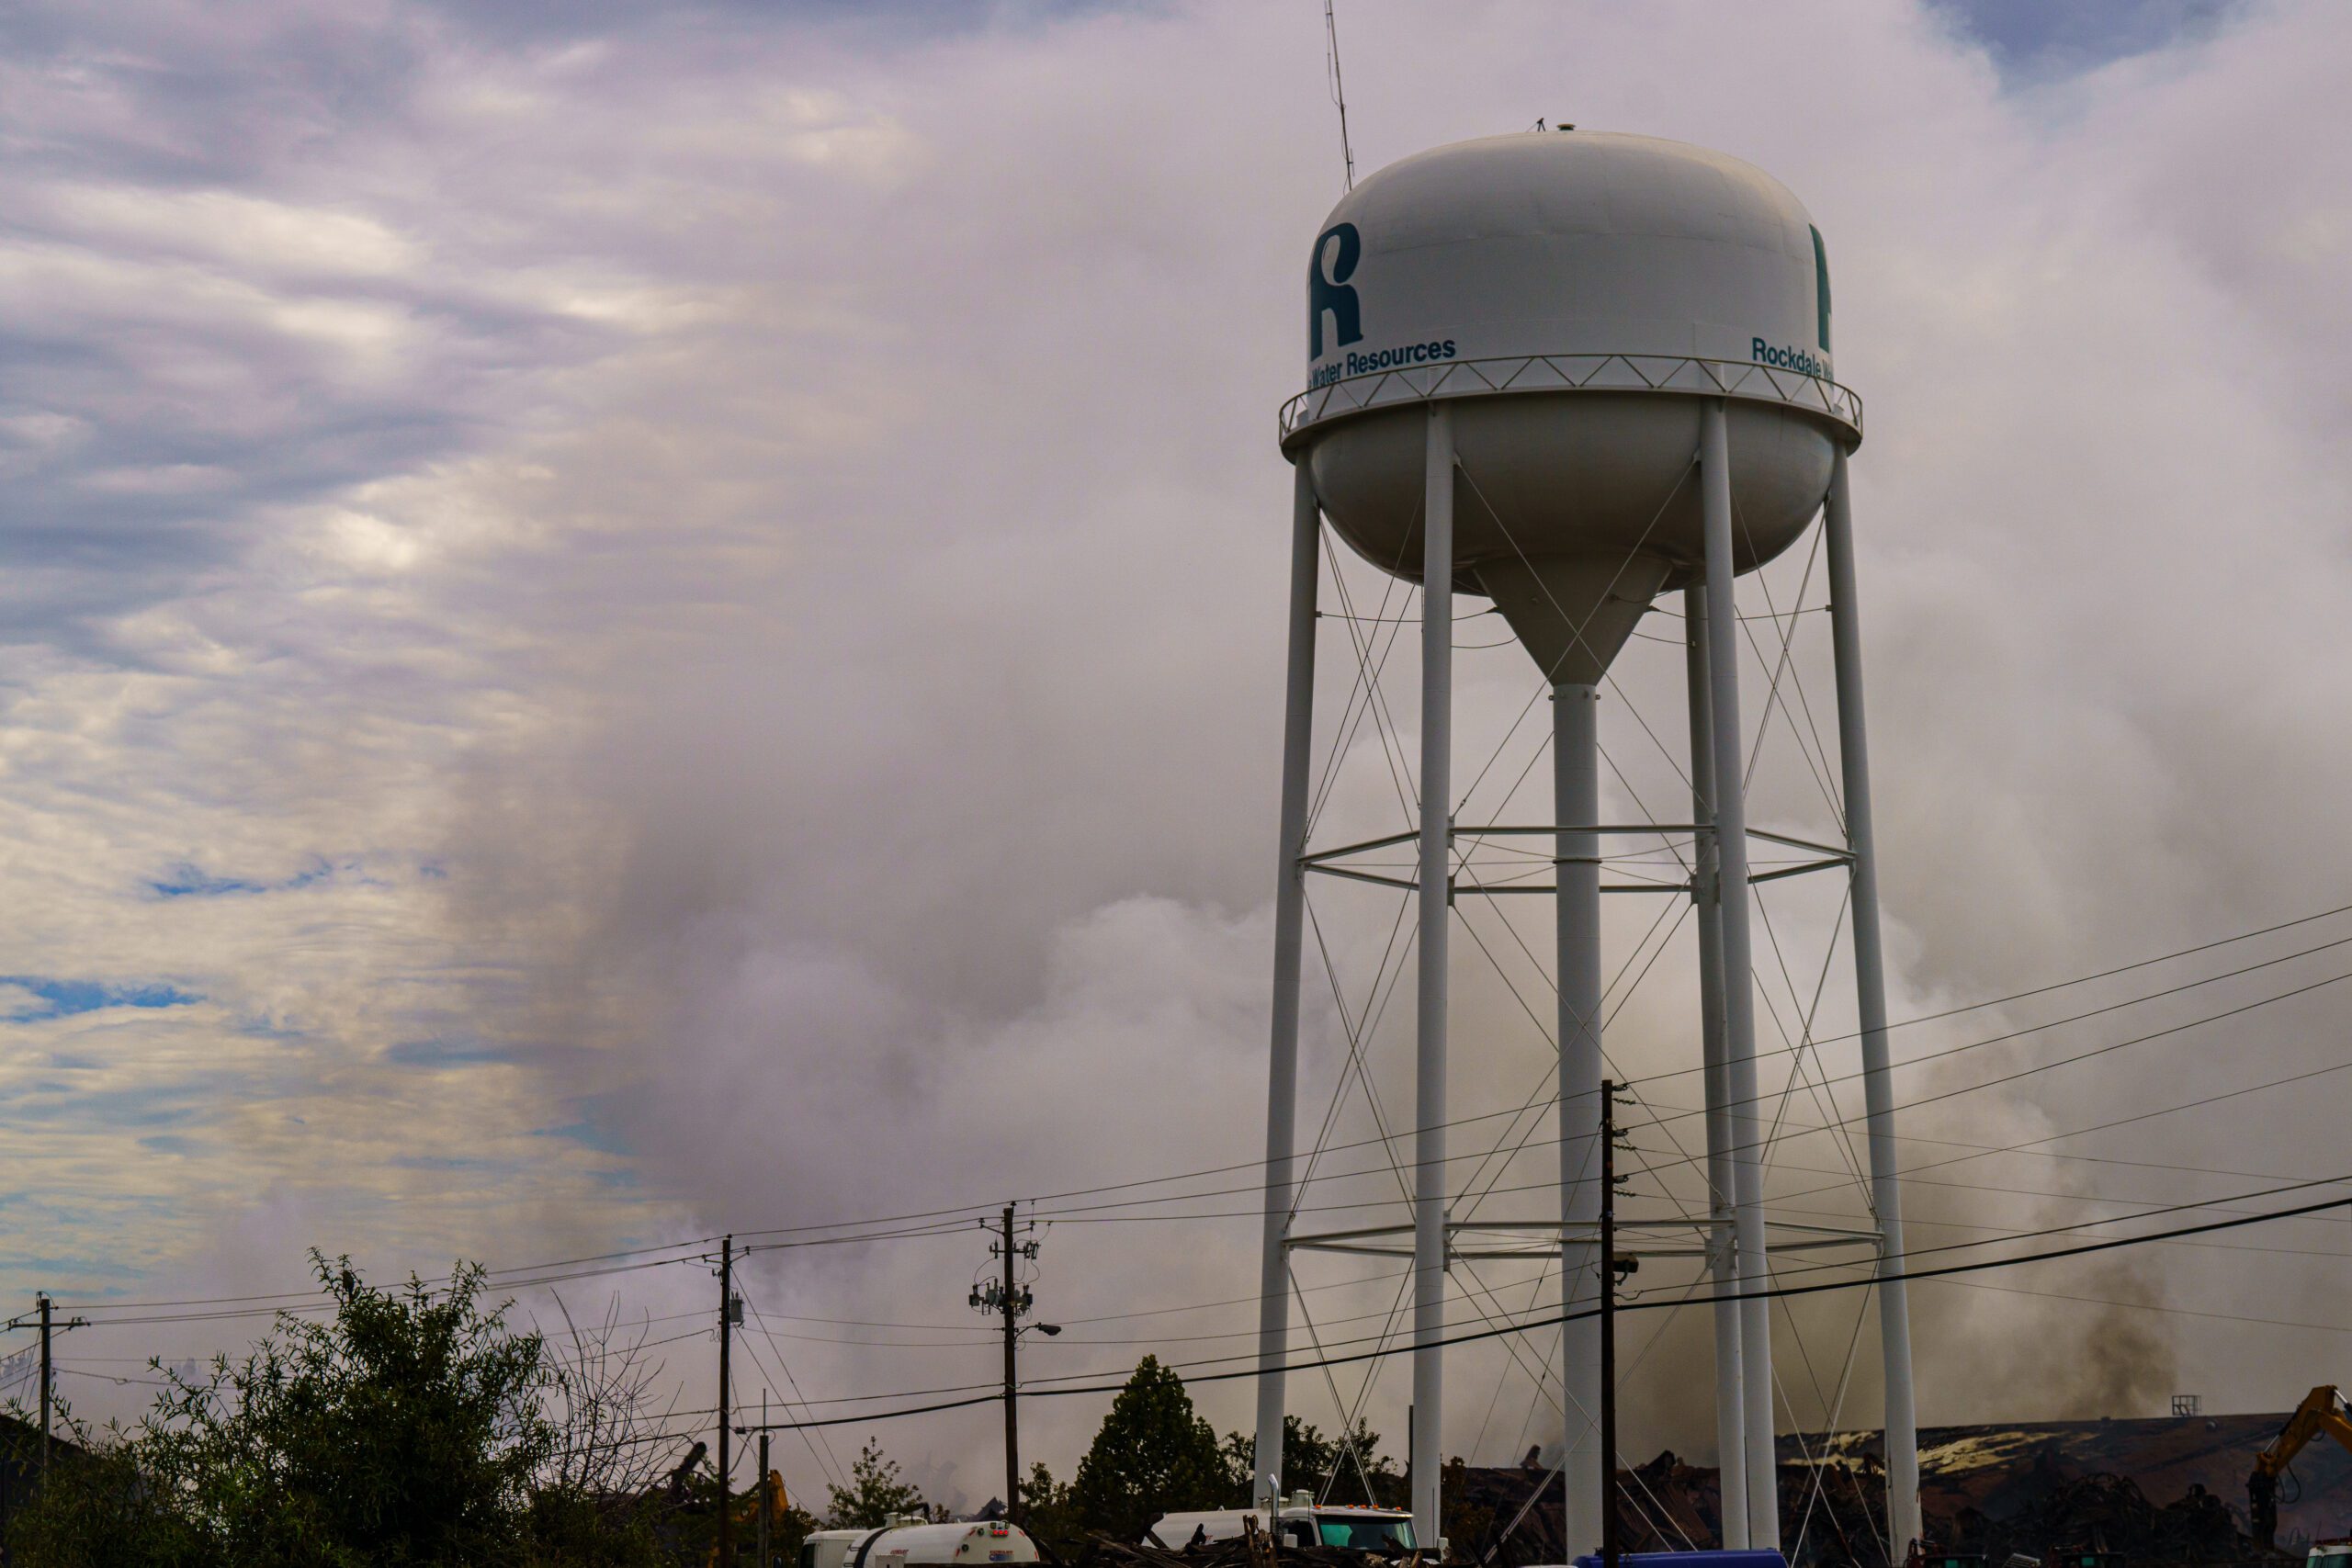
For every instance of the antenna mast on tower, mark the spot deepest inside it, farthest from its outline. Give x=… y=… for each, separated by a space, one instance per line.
x=1339 y=91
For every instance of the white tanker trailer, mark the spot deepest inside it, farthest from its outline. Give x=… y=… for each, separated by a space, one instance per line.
x=912 y=1544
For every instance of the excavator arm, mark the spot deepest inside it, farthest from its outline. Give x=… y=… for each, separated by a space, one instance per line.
x=769 y=1499
x=2323 y=1412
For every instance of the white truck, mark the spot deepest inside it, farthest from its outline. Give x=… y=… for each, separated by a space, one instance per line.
x=911 y=1543
x=1299 y=1522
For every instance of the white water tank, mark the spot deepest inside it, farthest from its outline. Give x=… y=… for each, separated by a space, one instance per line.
x=1572 y=295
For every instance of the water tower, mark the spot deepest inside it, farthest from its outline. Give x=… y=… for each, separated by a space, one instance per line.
x=1572 y=372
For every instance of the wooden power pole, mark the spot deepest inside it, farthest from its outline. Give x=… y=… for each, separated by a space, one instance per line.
x=729 y=1310
x=1011 y=1399
x=48 y=1381
x=45 y=1319
x=1007 y=1295
x=1610 y=1269
x=767 y=1494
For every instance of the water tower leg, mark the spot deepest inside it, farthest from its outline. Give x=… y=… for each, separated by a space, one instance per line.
x=1436 y=879
x=1748 y=1126
x=1870 y=985
x=1575 y=802
x=1282 y=1056
x=1722 y=1274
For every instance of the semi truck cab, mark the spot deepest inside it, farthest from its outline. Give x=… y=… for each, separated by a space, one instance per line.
x=1299 y=1522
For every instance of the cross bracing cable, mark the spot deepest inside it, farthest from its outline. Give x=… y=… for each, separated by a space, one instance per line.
x=1366 y=683
x=2040 y=1067
x=1776 y=671
x=1664 y=1115
x=1488 y=1116
x=1575 y=628
x=1778 y=1206
x=1830 y=1417
x=1785 y=1272
x=1820 y=770
x=1845 y=1078
x=1999 y=1039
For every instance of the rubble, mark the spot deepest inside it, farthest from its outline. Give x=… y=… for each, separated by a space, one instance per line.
x=1102 y=1552
x=2162 y=1491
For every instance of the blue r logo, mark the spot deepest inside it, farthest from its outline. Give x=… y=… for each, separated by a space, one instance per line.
x=1330 y=294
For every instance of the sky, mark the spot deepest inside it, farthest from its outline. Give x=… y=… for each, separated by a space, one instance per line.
x=623 y=624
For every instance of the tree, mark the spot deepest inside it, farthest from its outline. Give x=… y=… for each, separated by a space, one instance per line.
x=1152 y=1455
x=91 y=1510
x=1046 y=1512
x=406 y=1430
x=876 y=1493
x=1312 y=1463
x=797 y=1526
x=409 y=1429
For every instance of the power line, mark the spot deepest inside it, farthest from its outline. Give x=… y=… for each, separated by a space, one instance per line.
x=975 y=1209
x=535 y=1275
x=1771 y=1293
x=686 y=1248
x=1912 y=1176
x=308 y=1302
x=1075 y=1216
x=490 y=1275
x=1783 y=1272
x=2027 y=1072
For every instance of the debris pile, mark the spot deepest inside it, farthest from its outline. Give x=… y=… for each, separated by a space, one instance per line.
x=1511 y=1519
x=2164 y=1492
x=1102 y=1552
x=2032 y=1490
x=2107 y=1513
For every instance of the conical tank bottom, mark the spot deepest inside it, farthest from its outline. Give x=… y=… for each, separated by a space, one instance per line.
x=1573 y=612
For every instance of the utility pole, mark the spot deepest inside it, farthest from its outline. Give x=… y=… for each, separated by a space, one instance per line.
x=1014 y=1300
x=1013 y=1305
x=1610 y=1269
x=730 y=1312
x=767 y=1499
x=48 y=1381
x=47 y=1324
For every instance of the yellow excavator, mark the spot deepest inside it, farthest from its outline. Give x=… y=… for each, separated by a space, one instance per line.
x=2323 y=1411
x=768 y=1499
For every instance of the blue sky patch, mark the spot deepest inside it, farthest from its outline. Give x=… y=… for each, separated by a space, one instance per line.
x=588 y=1135
x=62 y=999
x=2042 y=40
x=442 y=1054
x=190 y=880
x=184 y=881
x=480 y=1165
